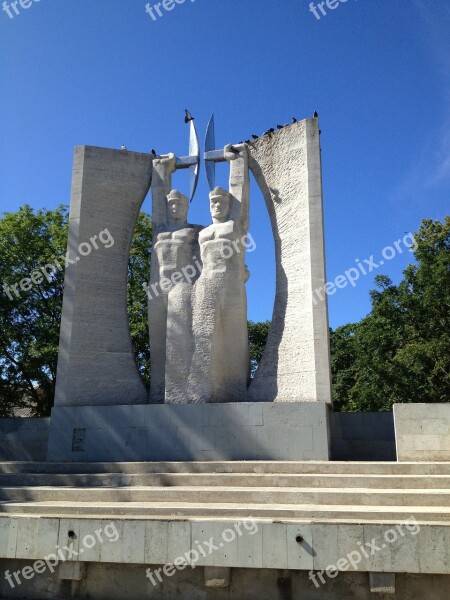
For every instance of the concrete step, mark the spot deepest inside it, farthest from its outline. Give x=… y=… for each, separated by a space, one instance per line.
x=196 y=510
x=230 y=494
x=327 y=480
x=268 y=467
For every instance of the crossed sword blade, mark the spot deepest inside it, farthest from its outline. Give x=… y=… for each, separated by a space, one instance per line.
x=191 y=162
x=211 y=157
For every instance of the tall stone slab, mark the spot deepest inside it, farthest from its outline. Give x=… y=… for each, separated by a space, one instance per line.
x=295 y=366
x=96 y=363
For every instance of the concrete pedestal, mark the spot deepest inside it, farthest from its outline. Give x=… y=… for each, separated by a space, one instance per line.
x=422 y=432
x=191 y=432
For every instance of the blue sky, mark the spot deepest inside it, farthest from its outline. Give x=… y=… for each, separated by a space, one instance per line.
x=104 y=73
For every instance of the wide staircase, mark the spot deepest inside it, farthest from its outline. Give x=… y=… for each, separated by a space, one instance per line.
x=315 y=491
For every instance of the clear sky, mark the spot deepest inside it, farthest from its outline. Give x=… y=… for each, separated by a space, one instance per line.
x=104 y=73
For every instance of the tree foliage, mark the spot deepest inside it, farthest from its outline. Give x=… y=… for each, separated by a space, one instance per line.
x=257 y=335
x=139 y=273
x=400 y=352
x=30 y=320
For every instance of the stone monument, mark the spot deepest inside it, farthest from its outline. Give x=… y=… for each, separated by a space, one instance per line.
x=202 y=404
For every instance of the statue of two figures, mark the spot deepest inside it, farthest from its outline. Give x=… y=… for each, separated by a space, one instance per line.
x=197 y=299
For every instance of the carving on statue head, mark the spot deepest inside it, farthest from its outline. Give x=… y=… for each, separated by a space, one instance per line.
x=177 y=208
x=220 y=202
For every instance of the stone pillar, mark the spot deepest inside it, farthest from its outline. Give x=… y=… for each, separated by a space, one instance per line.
x=295 y=366
x=96 y=363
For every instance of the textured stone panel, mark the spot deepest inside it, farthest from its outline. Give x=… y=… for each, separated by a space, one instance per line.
x=96 y=361
x=297 y=431
x=295 y=365
x=422 y=432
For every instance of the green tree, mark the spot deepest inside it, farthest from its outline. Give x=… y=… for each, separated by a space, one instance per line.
x=400 y=352
x=139 y=273
x=30 y=319
x=30 y=315
x=343 y=363
x=257 y=336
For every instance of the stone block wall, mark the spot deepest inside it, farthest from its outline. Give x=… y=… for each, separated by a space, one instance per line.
x=363 y=436
x=422 y=432
x=191 y=432
x=354 y=436
x=24 y=439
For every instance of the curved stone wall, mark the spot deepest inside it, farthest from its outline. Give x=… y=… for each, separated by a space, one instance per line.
x=295 y=366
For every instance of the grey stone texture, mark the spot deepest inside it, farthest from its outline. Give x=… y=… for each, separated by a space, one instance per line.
x=276 y=529
x=24 y=439
x=96 y=363
x=333 y=492
x=382 y=583
x=217 y=577
x=354 y=436
x=174 y=270
x=220 y=359
x=363 y=436
x=422 y=431
x=71 y=570
x=113 y=581
x=296 y=363
x=273 y=546
x=231 y=431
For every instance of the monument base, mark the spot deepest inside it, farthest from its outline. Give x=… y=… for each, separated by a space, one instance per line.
x=191 y=432
x=422 y=432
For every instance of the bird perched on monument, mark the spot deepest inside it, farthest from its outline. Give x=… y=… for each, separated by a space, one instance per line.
x=153 y=151
x=123 y=147
x=255 y=137
x=280 y=126
x=316 y=114
x=188 y=116
x=294 y=120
